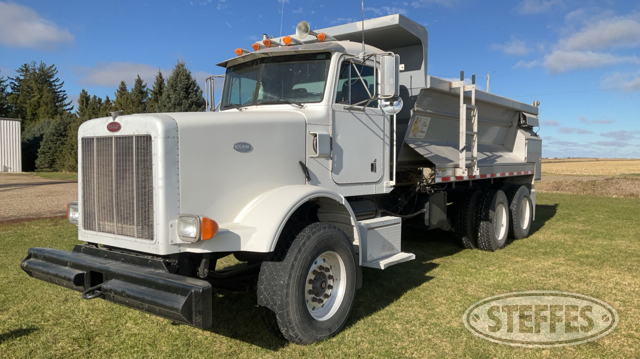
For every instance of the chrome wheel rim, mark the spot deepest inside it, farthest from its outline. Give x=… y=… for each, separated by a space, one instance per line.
x=525 y=213
x=325 y=286
x=500 y=222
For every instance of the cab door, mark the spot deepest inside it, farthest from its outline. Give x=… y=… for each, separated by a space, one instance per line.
x=358 y=127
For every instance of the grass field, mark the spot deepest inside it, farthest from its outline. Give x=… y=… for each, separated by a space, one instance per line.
x=581 y=244
x=65 y=176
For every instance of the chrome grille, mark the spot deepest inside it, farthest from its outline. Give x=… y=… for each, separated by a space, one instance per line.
x=117 y=185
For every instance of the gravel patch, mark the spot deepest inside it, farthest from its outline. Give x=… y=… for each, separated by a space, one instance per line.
x=24 y=195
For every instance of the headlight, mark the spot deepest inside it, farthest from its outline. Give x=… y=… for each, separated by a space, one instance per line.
x=188 y=228
x=192 y=228
x=73 y=214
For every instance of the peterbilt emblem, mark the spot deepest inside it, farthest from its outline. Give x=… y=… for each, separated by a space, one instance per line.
x=243 y=147
x=113 y=126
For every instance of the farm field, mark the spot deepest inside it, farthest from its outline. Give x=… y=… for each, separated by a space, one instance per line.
x=591 y=167
x=580 y=244
x=595 y=177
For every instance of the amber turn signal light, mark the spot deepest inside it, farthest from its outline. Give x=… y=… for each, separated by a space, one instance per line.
x=208 y=228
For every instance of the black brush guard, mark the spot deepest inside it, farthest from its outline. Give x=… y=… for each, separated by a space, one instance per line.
x=138 y=282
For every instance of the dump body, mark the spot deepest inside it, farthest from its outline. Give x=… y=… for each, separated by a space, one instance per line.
x=505 y=145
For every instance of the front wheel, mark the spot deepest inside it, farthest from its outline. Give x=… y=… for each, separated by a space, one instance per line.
x=311 y=291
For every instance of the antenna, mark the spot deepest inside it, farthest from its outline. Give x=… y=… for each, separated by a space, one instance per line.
x=282 y=17
x=363 y=29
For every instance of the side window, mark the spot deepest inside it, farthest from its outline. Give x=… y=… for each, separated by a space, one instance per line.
x=351 y=89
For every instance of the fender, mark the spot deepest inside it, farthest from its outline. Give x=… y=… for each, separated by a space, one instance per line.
x=257 y=227
x=269 y=212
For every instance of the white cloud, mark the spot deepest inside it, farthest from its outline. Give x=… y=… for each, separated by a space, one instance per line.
x=573 y=130
x=627 y=82
x=560 y=60
x=583 y=119
x=612 y=32
x=529 y=7
x=445 y=3
x=385 y=10
x=526 y=64
x=587 y=33
x=513 y=47
x=111 y=73
x=550 y=123
x=21 y=26
x=297 y=11
x=621 y=135
x=609 y=143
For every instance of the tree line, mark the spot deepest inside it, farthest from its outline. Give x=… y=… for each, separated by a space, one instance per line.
x=50 y=124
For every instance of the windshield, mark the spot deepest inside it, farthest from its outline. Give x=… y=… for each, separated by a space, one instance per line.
x=285 y=79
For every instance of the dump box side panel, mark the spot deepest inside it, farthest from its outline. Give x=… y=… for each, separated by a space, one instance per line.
x=434 y=130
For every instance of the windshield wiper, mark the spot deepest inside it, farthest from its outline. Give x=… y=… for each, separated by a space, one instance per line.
x=280 y=100
x=233 y=105
x=283 y=100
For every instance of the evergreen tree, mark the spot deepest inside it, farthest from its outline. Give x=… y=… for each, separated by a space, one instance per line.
x=83 y=104
x=50 y=153
x=139 y=96
x=123 y=99
x=94 y=108
x=36 y=93
x=5 y=110
x=31 y=140
x=107 y=107
x=153 y=105
x=182 y=93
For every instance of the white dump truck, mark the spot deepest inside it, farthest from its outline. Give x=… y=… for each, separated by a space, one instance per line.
x=323 y=145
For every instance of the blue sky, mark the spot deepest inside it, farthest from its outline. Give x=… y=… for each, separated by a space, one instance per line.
x=578 y=58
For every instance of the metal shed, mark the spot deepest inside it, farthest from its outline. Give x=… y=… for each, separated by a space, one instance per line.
x=10 y=146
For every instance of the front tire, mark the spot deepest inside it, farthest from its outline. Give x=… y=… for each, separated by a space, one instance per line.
x=311 y=291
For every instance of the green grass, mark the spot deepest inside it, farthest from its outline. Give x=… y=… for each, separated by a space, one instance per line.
x=65 y=176
x=580 y=244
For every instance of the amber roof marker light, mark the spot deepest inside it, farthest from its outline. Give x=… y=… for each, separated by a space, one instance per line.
x=240 y=51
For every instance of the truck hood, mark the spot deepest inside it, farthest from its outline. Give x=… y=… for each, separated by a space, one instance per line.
x=226 y=159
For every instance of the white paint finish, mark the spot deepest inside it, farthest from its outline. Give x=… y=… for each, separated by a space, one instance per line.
x=257 y=226
x=358 y=141
x=10 y=145
x=164 y=132
x=217 y=181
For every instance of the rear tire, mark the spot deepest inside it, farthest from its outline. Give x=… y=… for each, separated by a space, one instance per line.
x=521 y=210
x=311 y=291
x=465 y=220
x=493 y=220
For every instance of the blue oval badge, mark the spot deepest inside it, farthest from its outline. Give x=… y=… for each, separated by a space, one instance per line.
x=243 y=147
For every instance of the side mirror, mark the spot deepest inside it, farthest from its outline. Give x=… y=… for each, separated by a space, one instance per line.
x=389 y=76
x=391 y=106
